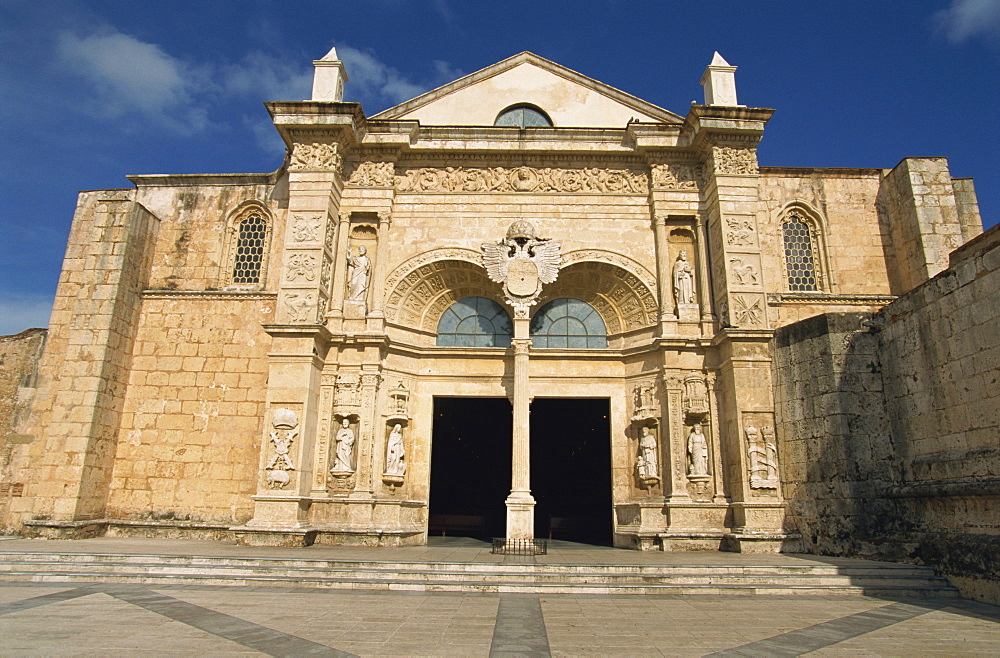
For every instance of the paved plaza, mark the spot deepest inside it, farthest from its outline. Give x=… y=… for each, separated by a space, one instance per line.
x=120 y=619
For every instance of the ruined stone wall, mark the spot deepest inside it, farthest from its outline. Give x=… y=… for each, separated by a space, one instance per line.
x=941 y=364
x=887 y=436
x=19 y=356
x=837 y=456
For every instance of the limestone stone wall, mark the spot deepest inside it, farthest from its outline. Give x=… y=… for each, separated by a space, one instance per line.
x=191 y=419
x=19 y=356
x=888 y=430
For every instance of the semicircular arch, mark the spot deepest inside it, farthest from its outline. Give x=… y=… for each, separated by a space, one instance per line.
x=624 y=301
x=421 y=296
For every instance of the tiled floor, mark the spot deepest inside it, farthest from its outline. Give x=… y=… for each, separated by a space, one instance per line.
x=109 y=619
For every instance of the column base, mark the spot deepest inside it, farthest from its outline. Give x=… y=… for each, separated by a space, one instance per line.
x=520 y=516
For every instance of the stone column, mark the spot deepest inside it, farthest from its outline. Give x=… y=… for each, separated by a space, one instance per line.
x=668 y=321
x=704 y=286
x=381 y=259
x=343 y=228
x=368 y=436
x=520 y=503
x=299 y=343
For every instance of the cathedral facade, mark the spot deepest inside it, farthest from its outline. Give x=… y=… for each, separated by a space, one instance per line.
x=523 y=305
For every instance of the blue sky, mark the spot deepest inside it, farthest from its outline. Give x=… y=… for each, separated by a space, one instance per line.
x=96 y=90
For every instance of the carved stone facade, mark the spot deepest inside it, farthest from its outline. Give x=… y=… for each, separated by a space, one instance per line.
x=648 y=284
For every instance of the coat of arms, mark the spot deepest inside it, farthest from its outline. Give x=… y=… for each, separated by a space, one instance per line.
x=522 y=262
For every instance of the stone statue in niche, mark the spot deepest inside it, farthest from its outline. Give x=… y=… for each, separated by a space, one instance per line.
x=683 y=279
x=359 y=267
x=697 y=453
x=395 y=453
x=400 y=398
x=647 y=464
x=763 y=455
x=645 y=401
x=344 y=458
x=285 y=424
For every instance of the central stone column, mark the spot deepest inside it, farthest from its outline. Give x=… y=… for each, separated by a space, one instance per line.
x=520 y=503
x=522 y=262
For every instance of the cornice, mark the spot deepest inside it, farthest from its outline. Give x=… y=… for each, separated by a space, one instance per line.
x=208 y=294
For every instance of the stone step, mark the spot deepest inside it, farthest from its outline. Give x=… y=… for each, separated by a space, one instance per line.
x=472 y=586
x=874 y=580
x=676 y=576
x=477 y=567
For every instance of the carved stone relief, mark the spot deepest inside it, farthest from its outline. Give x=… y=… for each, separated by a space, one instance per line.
x=743 y=273
x=644 y=401
x=740 y=231
x=734 y=160
x=748 y=310
x=316 y=155
x=346 y=390
x=285 y=425
x=306 y=229
x=695 y=396
x=301 y=266
x=522 y=262
x=676 y=176
x=522 y=179
x=762 y=454
x=301 y=306
x=372 y=174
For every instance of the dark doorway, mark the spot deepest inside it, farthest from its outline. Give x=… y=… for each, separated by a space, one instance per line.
x=571 y=469
x=470 y=467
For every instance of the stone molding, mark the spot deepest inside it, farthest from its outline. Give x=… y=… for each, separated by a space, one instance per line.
x=523 y=179
x=778 y=298
x=209 y=294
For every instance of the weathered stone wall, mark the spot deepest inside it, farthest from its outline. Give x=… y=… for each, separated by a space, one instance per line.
x=888 y=436
x=191 y=422
x=19 y=356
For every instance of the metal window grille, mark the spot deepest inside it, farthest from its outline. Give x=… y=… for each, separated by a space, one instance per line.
x=250 y=244
x=800 y=263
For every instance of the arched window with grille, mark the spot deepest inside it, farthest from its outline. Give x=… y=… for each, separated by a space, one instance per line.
x=251 y=232
x=474 y=322
x=569 y=324
x=800 y=251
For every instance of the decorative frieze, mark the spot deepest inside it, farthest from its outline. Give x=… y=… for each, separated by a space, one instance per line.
x=372 y=174
x=676 y=176
x=748 y=310
x=285 y=424
x=306 y=228
x=301 y=306
x=316 y=155
x=300 y=266
x=734 y=160
x=522 y=179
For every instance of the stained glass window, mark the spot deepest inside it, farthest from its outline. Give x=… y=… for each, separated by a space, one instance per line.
x=474 y=322
x=799 y=254
x=568 y=323
x=523 y=116
x=251 y=241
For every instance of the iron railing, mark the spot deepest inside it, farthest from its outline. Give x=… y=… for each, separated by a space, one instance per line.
x=504 y=546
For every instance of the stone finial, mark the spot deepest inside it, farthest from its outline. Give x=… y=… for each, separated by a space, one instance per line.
x=719 y=81
x=329 y=78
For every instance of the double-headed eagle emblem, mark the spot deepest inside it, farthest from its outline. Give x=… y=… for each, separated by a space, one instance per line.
x=522 y=262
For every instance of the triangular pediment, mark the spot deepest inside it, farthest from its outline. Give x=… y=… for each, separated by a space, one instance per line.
x=569 y=98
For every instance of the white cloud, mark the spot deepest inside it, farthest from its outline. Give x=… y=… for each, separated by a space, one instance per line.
x=377 y=85
x=133 y=76
x=20 y=312
x=268 y=77
x=966 y=19
x=129 y=76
